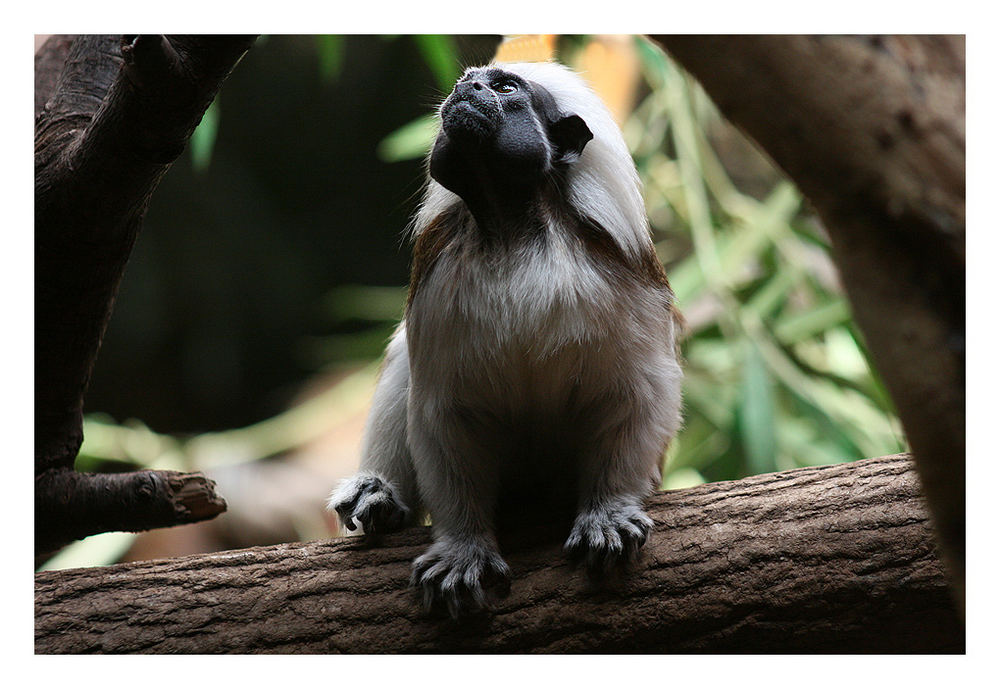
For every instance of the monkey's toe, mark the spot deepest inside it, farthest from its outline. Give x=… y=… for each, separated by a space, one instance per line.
x=607 y=537
x=462 y=577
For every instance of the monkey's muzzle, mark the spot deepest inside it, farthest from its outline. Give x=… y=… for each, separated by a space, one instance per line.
x=472 y=112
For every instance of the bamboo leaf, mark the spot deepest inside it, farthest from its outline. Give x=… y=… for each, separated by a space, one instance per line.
x=98 y=549
x=202 y=141
x=757 y=413
x=803 y=445
x=697 y=445
x=330 y=49
x=682 y=479
x=709 y=400
x=441 y=55
x=365 y=302
x=811 y=322
x=766 y=300
x=412 y=140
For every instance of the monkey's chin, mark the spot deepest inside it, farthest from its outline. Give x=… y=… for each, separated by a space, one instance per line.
x=463 y=121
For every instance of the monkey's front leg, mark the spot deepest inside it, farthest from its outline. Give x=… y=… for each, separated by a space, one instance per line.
x=383 y=497
x=620 y=471
x=462 y=570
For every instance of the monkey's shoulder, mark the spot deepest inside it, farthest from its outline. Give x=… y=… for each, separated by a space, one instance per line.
x=600 y=247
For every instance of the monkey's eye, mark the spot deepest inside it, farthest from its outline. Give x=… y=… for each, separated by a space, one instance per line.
x=506 y=87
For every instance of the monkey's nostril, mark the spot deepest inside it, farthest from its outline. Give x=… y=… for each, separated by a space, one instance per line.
x=477 y=86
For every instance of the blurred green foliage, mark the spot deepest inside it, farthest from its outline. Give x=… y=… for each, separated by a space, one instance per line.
x=330 y=51
x=441 y=55
x=409 y=141
x=776 y=374
x=203 y=139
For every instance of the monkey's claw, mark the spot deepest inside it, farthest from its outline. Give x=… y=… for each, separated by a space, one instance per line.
x=607 y=536
x=464 y=576
x=370 y=501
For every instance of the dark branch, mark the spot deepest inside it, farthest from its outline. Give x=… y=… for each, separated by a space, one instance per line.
x=107 y=131
x=102 y=143
x=49 y=61
x=826 y=559
x=72 y=505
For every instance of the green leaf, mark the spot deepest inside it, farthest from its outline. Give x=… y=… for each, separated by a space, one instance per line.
x=808 y=323
x=441 y=56
x=99 y=549
x=757 y=413
x=834 y=432
x=202 y=140
x=130 y=442
x=766 y=300
x=331 y=56
x=410 y=141
x=709 y=400
x=365 y=302
x=804 y=447
x=683 y=479
x=347 y=347
x=654 y=60
x=697 y=445
x=733 y=251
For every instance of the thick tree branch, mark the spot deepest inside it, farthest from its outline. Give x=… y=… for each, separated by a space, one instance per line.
x=831 y=559
x=49 y=62
x=107 y=131
x=873 y=132
x=72 y=505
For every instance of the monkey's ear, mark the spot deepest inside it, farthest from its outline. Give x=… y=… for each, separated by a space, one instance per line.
x=569 y=134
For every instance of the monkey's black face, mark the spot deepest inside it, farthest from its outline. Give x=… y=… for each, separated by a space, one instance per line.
x=500 y=136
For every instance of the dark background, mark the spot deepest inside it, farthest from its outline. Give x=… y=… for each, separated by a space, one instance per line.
x=221 y=315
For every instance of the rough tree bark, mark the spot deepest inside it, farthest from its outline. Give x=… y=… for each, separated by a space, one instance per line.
x=872 y=130
x=111 y=114
x=831 y=559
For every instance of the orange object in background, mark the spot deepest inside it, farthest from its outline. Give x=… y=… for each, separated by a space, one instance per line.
x=608 y=63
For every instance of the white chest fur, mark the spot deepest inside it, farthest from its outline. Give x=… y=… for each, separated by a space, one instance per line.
x=531 y=326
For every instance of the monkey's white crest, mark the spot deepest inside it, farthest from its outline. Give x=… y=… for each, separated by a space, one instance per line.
x=603 y=185
x=535 y=373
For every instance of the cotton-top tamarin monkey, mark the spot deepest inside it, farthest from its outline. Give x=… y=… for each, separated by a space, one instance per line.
x=536 y=364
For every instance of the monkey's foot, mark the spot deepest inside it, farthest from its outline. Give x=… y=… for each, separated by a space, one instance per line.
x=607 y=536
x=464 y=575
x=371 y=501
